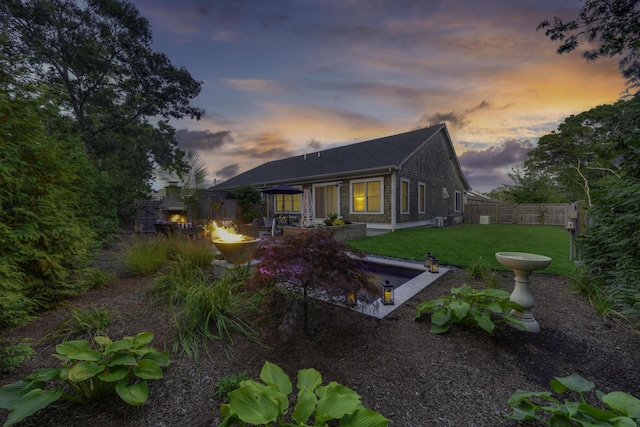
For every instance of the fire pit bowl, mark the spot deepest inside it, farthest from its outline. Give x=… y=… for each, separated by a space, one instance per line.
x=234 y=252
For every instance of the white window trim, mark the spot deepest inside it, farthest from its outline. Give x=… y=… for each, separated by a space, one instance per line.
x=408 y=210
x=355 y=181
x=458 y=201
x=422 y=190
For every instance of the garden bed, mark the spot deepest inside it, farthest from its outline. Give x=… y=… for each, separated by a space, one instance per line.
x=412 y=377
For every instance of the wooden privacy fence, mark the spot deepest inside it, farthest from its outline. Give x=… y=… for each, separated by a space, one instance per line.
x=525 y=214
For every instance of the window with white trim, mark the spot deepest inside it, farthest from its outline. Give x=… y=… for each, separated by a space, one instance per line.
x=422 y=197
x=366 y=195
x=288 y=203
x=404 y=196
x=458 y=201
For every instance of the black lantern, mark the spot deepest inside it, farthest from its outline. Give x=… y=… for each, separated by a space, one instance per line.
x=427 y=260
x=434 y=266
x=351 y=299
x=387 y=293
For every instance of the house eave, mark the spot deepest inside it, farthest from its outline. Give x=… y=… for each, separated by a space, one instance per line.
x=318 y=178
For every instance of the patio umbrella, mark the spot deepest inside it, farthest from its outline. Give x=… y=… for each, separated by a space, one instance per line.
x=281 y=189
x=307 y=211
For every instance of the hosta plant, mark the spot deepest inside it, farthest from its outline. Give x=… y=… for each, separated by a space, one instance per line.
x=618 y=409
x=267 y=403
x=87 y=374
x=470 y=307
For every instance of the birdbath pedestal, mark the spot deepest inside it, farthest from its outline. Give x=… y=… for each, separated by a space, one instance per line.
x=523 y=264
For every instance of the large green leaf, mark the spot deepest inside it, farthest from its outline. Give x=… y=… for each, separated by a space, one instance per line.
x=623 y=403
x=117 y=346
x=440 y=329
x=338 y=401
x=162 y=359
x=84 y=370
x=483 y=320
x=441 y=316
x=69 y=347
x=114 y=374
x=460 y=308
x=305 y=406
x=89 y=355
x=273 y=374
x=11 y=394
x=573 y=382
x=143 y=338
x=148 y=369
x=122 y=359
x=31 y=403
x=133 y=394
x=309 y=378
x=364 y=417
x=254 y=406
x=44 y=374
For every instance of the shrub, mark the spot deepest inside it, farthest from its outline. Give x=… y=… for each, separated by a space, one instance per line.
x=81 y=323
x=609 y=249
x=469 y=307
x=312 y=261
x=228 y=384
x=14 y=354
x=619 y=409
x=257 y=403
x=90 y=373
x=147 y=254
x=205 y=308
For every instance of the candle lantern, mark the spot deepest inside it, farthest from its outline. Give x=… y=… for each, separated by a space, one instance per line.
x=387 y=293
x=427 y=260
x=434 y=266
x=351 y=299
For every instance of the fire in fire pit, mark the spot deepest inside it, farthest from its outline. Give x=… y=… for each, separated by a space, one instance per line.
x=234 y=247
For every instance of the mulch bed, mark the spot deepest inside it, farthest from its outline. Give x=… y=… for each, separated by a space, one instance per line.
x=412 y=377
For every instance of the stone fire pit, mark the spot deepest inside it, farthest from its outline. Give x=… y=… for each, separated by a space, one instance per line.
x=234 y=252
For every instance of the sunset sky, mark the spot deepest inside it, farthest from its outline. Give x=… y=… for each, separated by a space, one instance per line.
x=287 y=77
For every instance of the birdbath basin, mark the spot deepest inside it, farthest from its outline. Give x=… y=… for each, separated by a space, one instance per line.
x=523 y=261
x=523 y=264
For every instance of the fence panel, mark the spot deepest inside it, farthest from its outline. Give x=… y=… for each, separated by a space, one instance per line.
x=525 y=214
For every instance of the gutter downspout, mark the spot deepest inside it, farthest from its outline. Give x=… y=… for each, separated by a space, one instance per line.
x=393 y=198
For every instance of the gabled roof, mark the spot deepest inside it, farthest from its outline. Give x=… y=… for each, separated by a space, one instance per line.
x=373 y=156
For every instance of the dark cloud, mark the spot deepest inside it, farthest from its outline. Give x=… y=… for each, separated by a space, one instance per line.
x=228 y=171
x=482 y=106
x=202 y=140
x=489 y=168
x=508 y=153
x=452 y=119
x=314 y=144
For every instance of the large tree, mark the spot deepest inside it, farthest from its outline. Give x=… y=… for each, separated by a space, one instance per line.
x=97 y=57
x=590 y=146
x=609 y=28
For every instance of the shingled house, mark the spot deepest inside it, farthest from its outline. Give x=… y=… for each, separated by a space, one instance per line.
x=407 y=180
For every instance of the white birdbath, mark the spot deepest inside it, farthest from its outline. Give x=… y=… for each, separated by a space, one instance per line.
x=523 y=265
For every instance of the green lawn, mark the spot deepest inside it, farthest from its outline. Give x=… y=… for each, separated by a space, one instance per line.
x=463 y=245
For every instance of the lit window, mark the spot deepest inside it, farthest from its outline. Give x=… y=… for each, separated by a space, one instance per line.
x=422 y=194
x=404 y=196
x=366 y=196
x=288 y=203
